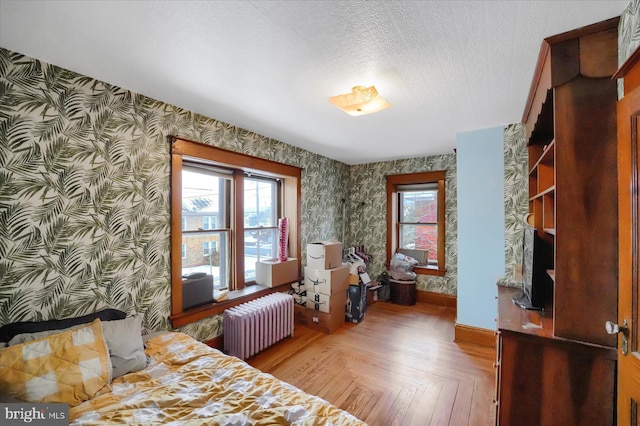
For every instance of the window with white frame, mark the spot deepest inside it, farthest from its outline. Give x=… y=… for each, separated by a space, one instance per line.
x=206 y=194
x=418 y=219
x=261 y=212
x=209 y=247
x=209 y=222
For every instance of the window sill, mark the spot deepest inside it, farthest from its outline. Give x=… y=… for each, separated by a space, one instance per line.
x=429 y=270
x=235 y=298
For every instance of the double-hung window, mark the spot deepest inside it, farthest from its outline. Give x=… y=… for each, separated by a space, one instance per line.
x=261 y=212
x=225 y=208
x=205 y=197
x=416 y=219
x=209 y=247
x=209 y=222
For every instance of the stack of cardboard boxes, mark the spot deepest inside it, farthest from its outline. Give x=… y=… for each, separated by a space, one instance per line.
x=326 y=281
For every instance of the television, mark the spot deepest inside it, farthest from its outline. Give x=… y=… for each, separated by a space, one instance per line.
x=537 y=285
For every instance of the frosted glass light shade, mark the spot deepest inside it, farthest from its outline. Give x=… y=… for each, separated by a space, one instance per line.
x=361 y=101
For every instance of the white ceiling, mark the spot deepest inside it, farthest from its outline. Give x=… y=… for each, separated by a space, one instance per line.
x=269 y=66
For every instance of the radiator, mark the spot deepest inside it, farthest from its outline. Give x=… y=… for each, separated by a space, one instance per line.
x=258 y=324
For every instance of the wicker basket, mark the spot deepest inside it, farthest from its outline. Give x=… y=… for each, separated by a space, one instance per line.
x=403 y=292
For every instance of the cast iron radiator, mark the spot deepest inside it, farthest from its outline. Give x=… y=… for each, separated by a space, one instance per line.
x=258 y=324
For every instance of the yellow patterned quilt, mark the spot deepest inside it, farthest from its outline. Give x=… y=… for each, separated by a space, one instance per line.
x=189 y=383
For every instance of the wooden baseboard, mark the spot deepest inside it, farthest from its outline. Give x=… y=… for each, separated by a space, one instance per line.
x=216 y=343
x=475 y=335
x=439 y=299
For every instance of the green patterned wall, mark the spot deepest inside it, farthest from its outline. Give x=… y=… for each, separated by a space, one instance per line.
x=628 y=36
x=368 y=211
x=366 y=217
x=84 y=194
x=516 y=198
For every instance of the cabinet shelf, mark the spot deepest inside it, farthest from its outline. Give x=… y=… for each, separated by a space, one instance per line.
x=545 y=192
x=546 y=157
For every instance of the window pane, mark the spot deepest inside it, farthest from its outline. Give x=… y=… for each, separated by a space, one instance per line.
x=209 y=222
x=205 y=207
x=419 y=206
x=203 y=201
x=207 y=252
x=260 y=203
x=420 y=237
x=260 y=210
x=258 y=244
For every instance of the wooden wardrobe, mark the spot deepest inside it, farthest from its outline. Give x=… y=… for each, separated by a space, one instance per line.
x=557 y=367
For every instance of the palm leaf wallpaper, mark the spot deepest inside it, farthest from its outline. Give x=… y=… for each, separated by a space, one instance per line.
x=516 y=198
x=628 y=36
x=84 y=196
x=368 y=212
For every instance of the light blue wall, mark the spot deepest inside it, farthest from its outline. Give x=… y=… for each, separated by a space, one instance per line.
x=481 y=252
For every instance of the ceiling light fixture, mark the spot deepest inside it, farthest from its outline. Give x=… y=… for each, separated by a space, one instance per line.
x=361 y=101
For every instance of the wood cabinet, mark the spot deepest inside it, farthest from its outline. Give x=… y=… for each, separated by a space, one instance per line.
x=570 y=118
x=544 y=380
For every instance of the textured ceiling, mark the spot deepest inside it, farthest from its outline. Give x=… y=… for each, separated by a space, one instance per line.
x=269 y=66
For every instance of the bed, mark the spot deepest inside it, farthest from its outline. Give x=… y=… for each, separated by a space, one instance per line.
x=109 y=374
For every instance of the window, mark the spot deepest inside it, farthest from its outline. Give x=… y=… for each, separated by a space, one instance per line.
x=209 y=247
x=226 y=207
x=261 y=212
x=209 y=222
x=206 y=196
x=416 y=220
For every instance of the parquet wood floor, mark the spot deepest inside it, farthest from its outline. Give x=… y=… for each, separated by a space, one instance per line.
x=400 y=366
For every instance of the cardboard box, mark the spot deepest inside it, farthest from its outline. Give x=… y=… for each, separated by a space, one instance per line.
x=372 y=292
x=359 y=279
x=325 y=303
x=356 y=303
x=328 y=322
x=324 y=255
x=319 y=302
x=326 y=281
x=300 y=314
x=272 y=273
